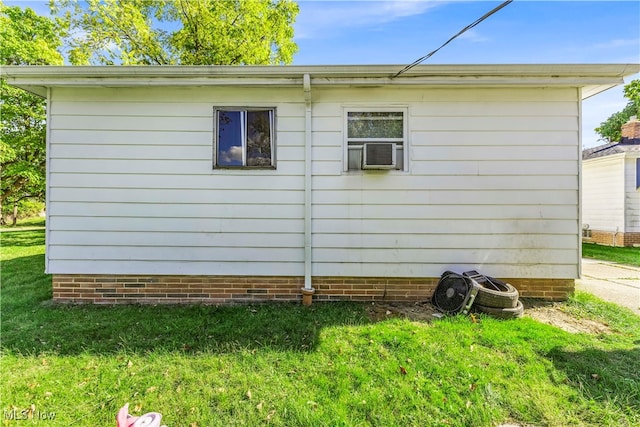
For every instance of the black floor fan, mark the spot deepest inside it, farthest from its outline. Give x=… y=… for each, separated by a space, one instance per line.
x=455 y=293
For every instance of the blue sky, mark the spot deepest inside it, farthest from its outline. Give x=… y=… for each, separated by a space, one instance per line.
x=399 y=32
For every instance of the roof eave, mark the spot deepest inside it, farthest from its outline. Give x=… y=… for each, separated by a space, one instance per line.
x=592 y=78
x=610 y=156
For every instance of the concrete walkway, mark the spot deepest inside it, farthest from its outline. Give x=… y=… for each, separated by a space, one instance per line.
x=612 y=282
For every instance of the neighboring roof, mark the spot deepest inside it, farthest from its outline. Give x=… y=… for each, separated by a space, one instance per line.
x=592 y=78
x=624 y=146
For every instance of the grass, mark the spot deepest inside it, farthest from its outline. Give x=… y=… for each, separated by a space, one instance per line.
x=288 y=365
x=621 y=255
x=24 y=224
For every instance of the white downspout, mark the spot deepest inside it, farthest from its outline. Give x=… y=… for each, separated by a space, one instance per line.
x=47 y=193
x=308 y=290
x=580 y=100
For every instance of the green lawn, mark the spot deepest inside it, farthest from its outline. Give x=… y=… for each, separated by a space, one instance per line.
x=22 y=224
x=628 y=255
x=288 y=365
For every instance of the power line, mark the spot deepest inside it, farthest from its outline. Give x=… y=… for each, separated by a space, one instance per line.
x=468 y=27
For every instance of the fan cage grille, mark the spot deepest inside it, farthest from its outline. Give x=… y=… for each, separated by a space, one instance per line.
x=452 y=292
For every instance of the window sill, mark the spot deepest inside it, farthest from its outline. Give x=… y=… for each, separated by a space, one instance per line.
x=243 y=168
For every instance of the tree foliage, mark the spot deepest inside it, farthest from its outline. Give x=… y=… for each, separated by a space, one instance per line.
x=25 y=39
x=632 y=92
x=127 y=32
x=187 y=32
x=610 y=129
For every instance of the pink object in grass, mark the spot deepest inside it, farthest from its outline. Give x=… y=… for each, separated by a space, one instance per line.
x=123 y=419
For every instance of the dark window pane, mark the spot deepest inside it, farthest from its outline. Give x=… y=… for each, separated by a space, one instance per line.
x=229 y=138
x=258 y=138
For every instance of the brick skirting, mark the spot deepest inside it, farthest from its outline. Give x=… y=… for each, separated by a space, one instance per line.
x=610 y=238
x=127 y=289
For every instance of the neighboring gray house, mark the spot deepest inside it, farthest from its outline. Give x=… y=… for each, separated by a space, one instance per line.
x=224 y=184
x=611 y=190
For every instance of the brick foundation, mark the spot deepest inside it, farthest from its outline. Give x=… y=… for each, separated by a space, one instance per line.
x=632 y=239
x=127 y=289
x=610 y=238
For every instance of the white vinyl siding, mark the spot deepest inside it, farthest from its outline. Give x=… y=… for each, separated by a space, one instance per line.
x=492 y=185
x=632 y=193
x=603 y=193
x=132 y=190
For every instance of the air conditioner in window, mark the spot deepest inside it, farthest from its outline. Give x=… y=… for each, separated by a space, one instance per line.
x=379 y=155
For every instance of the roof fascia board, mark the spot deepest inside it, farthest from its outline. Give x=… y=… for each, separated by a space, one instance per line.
x=607 y=157
x=270 y=71
x=316 y=81
x=594 y=78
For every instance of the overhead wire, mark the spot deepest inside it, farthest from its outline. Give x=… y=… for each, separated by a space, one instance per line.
x=465 y=29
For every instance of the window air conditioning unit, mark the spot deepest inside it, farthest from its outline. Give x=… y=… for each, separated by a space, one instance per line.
x=379 y=155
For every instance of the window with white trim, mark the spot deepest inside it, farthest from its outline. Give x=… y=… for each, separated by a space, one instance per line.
x=244 y=138
x=372 y=126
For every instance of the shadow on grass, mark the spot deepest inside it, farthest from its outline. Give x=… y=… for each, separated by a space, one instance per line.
x=610 y=377
x=21 y=238
x=68 y=330
x=32 y=324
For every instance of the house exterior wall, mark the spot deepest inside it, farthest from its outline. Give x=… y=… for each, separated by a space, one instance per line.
x=611 y=201
x=132 y=189
x=492 y=184
x=603 y=194
x=632 y=194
